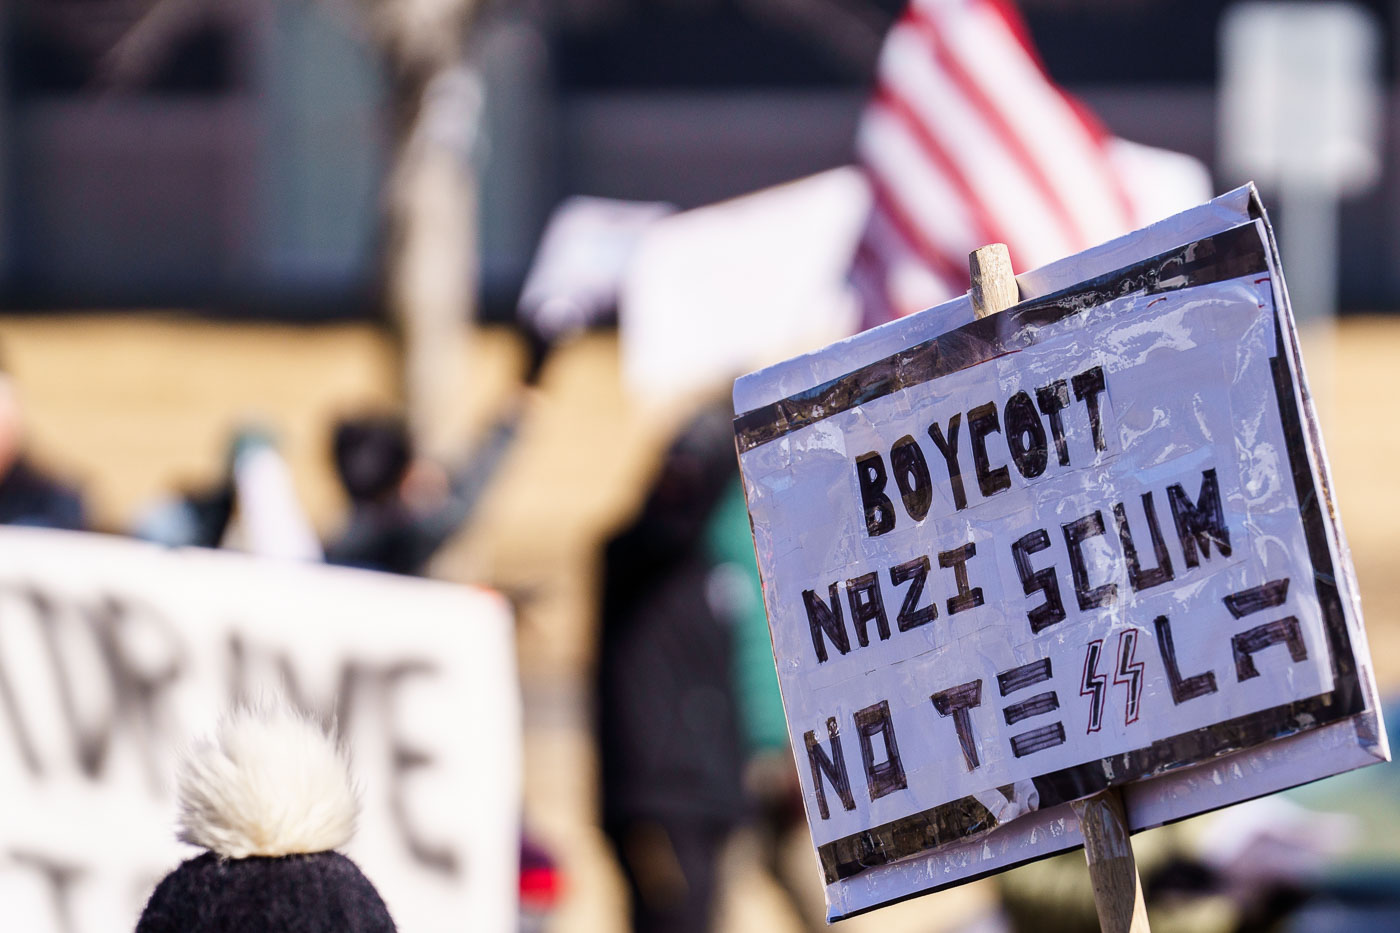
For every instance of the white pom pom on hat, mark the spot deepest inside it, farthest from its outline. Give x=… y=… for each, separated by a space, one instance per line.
x=270 y=782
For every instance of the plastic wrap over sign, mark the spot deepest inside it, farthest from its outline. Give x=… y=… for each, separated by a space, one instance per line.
x=1082 y=543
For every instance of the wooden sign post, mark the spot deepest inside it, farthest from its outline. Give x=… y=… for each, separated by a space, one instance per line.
x=1109 y=852
x=1107 y=847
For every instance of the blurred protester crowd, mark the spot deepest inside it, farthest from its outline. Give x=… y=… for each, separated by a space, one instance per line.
x=691 y=738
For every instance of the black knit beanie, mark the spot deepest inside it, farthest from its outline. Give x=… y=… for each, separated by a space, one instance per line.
x=270 y=799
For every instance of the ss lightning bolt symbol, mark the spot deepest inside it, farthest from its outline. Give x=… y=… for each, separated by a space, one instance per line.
x=1094 y=685
x=1129 y=674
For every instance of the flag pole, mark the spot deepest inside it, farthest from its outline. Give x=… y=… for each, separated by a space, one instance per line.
x=1107 y=848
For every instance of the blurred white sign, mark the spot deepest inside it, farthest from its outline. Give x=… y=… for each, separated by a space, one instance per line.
x=1300 y=94
x=578 y=270
x=722 y=289
x=113 y=653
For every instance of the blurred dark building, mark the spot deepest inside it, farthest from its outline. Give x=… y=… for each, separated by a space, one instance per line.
x=186 y=154
x=227 y=156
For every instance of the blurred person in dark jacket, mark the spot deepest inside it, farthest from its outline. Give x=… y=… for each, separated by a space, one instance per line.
x=27 y=495
x=403 y=508
x=670 y=740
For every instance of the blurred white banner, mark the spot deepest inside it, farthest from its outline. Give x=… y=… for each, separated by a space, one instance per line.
x=114 y=653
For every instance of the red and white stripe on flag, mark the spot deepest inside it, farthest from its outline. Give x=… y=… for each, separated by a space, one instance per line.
x=967 y=141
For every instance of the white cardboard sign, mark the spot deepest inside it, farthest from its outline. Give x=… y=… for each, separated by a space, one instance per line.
x=114 y=653
x=1086 y=542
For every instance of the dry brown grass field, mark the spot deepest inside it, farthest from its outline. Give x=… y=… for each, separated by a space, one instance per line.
x=131 y=406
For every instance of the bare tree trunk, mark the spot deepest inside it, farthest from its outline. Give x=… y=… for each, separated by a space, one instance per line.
x=431 y=257
x=431 y=266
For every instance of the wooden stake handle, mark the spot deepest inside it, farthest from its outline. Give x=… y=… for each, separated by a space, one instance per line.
x=1112 y=869
x=993 y=285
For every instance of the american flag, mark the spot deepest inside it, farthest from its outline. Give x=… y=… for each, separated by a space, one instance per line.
x=967 y=141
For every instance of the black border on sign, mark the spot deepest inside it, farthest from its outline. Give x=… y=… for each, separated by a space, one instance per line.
x=1233 y=253
x=1227 y=255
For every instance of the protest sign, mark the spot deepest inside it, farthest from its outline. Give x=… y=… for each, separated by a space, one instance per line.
x=114 y=653
x=1087 y=542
